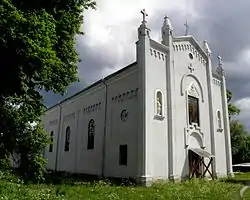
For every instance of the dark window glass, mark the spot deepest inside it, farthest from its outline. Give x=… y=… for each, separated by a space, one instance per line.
x=193 y=109
x=91 y=134
x=123 y=157
x=67 y=139
x=51 y=139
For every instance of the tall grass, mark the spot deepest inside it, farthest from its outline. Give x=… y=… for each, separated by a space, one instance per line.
x=13 y=188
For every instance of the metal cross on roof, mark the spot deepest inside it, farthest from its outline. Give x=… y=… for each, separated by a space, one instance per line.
x=220 y=60
x=187 y=27
x=144 y=15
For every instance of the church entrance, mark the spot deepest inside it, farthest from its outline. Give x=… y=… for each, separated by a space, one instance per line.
x=197 y=167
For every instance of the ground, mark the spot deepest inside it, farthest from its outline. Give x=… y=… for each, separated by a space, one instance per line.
x=12 y=188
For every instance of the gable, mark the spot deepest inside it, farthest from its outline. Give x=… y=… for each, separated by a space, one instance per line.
x=188 y=43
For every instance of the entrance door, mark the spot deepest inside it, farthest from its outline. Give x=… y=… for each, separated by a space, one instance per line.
x=195 y=168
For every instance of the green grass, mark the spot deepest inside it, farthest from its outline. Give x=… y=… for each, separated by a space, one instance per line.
x=12 y=188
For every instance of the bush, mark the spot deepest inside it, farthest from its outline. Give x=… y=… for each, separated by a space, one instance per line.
x=30 y=148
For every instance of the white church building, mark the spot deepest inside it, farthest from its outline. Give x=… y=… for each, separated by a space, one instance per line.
x=151 y=120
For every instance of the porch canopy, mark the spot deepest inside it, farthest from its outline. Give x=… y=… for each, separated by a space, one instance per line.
x=195 y=166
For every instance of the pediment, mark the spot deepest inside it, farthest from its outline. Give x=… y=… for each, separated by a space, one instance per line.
x=193 y=42
x=193 y=91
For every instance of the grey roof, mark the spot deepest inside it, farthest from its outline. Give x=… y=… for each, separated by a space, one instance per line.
x=95 y=83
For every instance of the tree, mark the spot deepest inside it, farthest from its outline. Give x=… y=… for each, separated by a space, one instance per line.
x=37 y=52
x=232 y=109
x=240 y=140
x=37 y=44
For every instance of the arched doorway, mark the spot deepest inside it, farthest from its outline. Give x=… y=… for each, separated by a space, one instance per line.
x=196 y=155
x=195 y=167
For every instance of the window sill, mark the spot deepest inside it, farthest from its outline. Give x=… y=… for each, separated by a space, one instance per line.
x=159 y=117
x=220 y=130
x=194 y=126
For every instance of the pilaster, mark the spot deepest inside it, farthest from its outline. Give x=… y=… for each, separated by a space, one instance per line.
x=167 y=39
x=221 y=72
x=211 y=104
x=143 y=145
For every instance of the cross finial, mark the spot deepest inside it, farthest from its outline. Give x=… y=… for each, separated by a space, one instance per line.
x=166 y=16
x=187 y=27
x=144 y=15
x=219 y=60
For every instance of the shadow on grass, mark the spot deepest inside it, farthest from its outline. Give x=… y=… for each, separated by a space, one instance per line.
x=59 y=178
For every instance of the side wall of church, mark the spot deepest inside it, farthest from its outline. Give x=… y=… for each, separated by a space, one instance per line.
x=122 y=125
x=190 y=80
x=84 y=115
x=90 y=108
x=220 y=150
x=157 y=121
x=76 y=113
x=51 y=125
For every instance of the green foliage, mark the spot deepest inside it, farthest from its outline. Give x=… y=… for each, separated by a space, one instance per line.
x=12 y=188
x=5 y=162
x=37 y=44
x=240 y=140
x=30 y=148
x=37 y=51
x=232 y=109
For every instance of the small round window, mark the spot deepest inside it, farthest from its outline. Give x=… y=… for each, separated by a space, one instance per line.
x=191 y=56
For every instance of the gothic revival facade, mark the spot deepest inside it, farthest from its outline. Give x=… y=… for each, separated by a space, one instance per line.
x=158 y=118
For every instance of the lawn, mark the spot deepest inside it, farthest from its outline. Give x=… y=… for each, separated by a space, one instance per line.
x=12 y=188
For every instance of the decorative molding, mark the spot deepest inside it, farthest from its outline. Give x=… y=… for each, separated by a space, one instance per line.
x=159 y=117
x=158 y=46
x=92 y=108
x=192 y=90
x=189 y=48
x=124 y=115
x=191 y=41
x=194 y=130
x=190 y=67
x=125 y=96
x=53 y=122
x=220 y=130
x=216 y=82
x=69 y=116
x=196 y=79
x=157 y=54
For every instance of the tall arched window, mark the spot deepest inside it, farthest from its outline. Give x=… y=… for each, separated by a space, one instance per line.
x=159 y=105
x=91 y=134
x=67 y=139
x=219 y=119
x=51 y=140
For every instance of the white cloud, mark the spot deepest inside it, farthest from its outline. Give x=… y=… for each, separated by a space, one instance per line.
x=244 y=105
x=111 y=30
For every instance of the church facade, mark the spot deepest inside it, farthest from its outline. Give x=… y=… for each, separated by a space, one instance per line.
x=145 y=120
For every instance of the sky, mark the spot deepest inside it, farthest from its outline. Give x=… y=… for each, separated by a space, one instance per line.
x=111 y=33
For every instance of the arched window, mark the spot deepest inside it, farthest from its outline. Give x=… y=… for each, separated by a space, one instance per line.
x=67 y=139
x=159 y=105
x=51 y=140
x=91 y=134
x=193 y=110
x=219 y=119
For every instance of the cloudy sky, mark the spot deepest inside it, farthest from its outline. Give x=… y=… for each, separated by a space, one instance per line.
x=111 y=33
